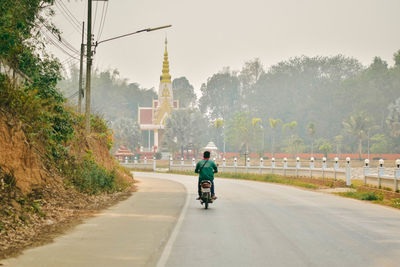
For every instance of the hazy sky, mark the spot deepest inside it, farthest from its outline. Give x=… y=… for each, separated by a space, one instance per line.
x=210 y=34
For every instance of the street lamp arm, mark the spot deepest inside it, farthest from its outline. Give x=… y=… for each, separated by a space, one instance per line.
x=128 y=34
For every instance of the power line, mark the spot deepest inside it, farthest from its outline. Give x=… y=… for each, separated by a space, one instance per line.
x=70 y=13
x=61 y=40
x=73 y=95
x=69 y=17
x=103 y=20
x=49 y=38
x=95 y=17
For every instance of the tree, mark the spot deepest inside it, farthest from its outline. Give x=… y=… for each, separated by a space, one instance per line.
x=220 y=96
x=126 y=132
x=218 y=125
x=338 y=141
x=393 y=119
x=248 y=77
x=243 y=131
x=297 y=142
x=396 y=58
x=325 y=147
x=185 y=129
x=184 y=92
x=291 y=126
x=273 y=123
x=380 y=144
x=177 y=130
x=357 y=125
x=311 y=132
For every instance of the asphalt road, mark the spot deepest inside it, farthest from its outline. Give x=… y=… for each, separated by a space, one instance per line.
x=251 y=224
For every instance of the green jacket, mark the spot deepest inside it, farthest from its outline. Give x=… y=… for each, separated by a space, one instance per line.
x=207 y=172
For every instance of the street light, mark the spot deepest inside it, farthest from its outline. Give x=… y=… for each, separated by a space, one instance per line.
x=128 y=34
x=89 y=60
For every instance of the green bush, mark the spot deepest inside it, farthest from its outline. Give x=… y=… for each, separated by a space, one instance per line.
x=158 y=155
x=369 y=196
x=92 y=179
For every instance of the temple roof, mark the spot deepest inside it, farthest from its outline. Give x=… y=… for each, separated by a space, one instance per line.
x=165 y=76
x=123 y=151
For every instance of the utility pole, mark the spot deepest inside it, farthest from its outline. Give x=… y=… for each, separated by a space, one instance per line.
x=81 y=94
x=88 y=66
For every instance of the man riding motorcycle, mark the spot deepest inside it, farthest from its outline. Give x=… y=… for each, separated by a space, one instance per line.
x=206 y=169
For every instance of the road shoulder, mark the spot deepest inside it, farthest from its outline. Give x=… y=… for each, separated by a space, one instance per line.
x=132 y=233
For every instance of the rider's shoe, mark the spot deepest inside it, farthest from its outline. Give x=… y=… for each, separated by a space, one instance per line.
x=198 y=198
x=214 y=197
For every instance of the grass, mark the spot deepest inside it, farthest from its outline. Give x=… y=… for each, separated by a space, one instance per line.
x=269 y=178
x=369 y=196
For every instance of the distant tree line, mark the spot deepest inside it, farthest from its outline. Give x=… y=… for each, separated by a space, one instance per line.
x=305 y=104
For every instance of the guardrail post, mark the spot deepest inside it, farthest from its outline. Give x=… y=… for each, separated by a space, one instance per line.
x=154 y=163
x=135 y=160
x=247 y=164
x=298 y=166
x=224 y=162
x=193 y=162
x=284 y=166
x=397 y=175
x=126 y=160
x=381 y=171
x=366 y=170
x=235 y=163
x=323 y=167
x=261 y=164
x=336 y=165
x=145 y=160
x=182 y=162
x=348 y=172
x=272 y=165
x=311 y=166
x=170 y=163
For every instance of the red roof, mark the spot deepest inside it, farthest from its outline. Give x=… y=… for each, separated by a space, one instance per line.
x=146 y=116
x=123 y=151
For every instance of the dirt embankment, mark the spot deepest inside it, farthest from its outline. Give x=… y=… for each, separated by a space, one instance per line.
x=35 y=203
x=18 y=157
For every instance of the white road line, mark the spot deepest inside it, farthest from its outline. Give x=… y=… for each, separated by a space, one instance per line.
x=167 y=250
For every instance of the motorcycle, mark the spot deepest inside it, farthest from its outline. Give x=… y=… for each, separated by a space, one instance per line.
x=205 y=197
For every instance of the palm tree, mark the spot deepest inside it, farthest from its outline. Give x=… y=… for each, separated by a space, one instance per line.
x=218 y=124
x=273 y=123
x=291 y=126
x=357 y=125
x=338 y=142
x=311 y=132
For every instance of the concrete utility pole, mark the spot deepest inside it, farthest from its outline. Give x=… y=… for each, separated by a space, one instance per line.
x=81 y=94
x=88 y=66
x=89 y=56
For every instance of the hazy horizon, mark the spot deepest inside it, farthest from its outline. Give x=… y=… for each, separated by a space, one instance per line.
x=207 y=36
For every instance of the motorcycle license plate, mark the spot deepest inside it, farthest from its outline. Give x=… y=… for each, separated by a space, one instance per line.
x=206 y=190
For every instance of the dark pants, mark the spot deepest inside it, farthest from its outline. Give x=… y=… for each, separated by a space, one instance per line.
x=212 y=189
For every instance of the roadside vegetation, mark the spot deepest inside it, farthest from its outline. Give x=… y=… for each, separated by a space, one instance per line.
x=51 y=172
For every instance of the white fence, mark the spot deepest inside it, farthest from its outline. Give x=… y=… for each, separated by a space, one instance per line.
x=297 y=171
x=380 y=179
x=144 y=164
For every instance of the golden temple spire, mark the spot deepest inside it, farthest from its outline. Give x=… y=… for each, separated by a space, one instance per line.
x=165 y=76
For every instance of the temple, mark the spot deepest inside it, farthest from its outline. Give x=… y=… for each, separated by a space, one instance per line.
x=152 y=119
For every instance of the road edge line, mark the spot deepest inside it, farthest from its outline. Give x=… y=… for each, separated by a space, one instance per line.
x=168 y=247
